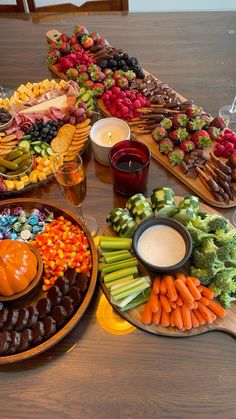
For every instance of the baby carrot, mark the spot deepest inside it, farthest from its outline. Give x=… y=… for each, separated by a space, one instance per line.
x=178 y=318
x=156 y=284
x=217 y=309
x=195 y=304
x=204 y=301
x=165 y=304
x=154 y=302
x=170 y=288
x=196 y=281
x=205 y=313
x=156 y=317
x=193 y=289
x=183 y=291
x=163 y=286
x=179 y=301
x=172 y=322
x=165 y=319
x=172 y=304
x=186 y=316
x=194 y=319
x=206 y=292
x=147 y=314
x=199 y=316
x=181 y=276
x=191 y=306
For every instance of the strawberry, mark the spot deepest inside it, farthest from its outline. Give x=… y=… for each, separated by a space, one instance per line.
x=54 y=45
x=72 y=74
x=76 y=47
x=193 y=111
x=201 y=139
x=187 y=145
x=213 y=132
x=89 y=84
x=52 y=57
x=218 y=122
x=80 y=29
x=64 y=48
x=176 y=157
x=95 y=76
x=165 y=146
x=122 y=82
x=93 y=67
x=98 y=89
x=195 y=124
x=73 y=40
x=82 y=77
x=109 y=83
x=103 y=41
x=180 y=120
x=166 y=123
x=205 y=117
x=82 y=68
x=87 y=41
x=117 y=74
x=108 y=72
x=63 y=37
x=158 y=133
x=178 y=135
x=94 y=36
x=130 y=75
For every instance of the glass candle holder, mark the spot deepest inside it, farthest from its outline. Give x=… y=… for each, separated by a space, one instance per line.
x=129 y=161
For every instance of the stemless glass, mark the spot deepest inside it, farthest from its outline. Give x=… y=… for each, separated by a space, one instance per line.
x=228 y=112
x=71 y=176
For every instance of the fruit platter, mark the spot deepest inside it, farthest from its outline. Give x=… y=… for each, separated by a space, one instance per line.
x=47 y=297
x=194 y=146
x=141 y=278
x=38 y=121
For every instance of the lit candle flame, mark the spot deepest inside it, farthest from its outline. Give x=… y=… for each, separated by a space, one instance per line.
x=109 y=138
x=130 y=162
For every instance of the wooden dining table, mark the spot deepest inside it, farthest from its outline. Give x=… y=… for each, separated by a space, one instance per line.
x=92 y=373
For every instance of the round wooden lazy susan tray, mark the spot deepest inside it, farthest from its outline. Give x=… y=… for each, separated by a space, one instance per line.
x=28 y=205
x=228 y=324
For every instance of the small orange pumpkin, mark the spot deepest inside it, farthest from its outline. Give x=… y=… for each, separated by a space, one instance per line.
x=18 y=266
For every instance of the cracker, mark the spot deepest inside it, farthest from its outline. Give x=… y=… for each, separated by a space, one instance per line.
x=8 y=145
x=2 y=134
x=84 y=123
x=84 y=129
x=8 y=138
x=5 y=151
x=63 y=139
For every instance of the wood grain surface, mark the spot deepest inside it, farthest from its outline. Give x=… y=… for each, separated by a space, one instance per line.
x=90 y=373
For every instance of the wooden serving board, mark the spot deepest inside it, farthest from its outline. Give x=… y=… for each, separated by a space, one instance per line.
x=228 y=324
x=29 y=204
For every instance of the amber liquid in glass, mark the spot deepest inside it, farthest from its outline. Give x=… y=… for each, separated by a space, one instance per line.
x=73 y=183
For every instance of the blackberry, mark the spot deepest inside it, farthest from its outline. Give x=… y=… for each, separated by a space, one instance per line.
x=121 y=64
x=103 y=64
x=116 y=56
x=112 y=63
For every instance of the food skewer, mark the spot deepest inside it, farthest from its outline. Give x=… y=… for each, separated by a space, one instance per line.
x=224 y=167
x=223 y=183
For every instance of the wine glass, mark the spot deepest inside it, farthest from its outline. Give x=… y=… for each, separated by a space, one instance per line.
x=71 y=176
x=228 y=112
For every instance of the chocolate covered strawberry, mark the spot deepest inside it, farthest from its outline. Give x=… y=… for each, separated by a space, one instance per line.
x=72 y=74
x=193 y=111
x=82 y=78
x=178 y=135
x=213 y=132
x=158 y=133
x=52 y=57
x=87 y=41
x=95 y=36
x=165 y=146
x=187 y=146
x=103 y=41
x=108 y=72
x=180 y=120
x=201 y=139
x=117 y=74
x=98 y=89
x=73 y=40
x=130 y=75
x=195 y=124
x=176 y=157
x=64 y=48
x=166 y=123
x=80 y=29
x=109 y=83
x=122 y=82
x=218 y=122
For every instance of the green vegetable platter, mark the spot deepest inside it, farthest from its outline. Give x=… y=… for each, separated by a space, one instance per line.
x=213 y=259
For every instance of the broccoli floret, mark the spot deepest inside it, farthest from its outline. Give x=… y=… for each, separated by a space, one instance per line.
x=217 y=291
x=212 y=223
x=226 y=280
x=221 y=237
x=208 y=261
x=208 y=246
x=226 y=299
x=197 y=234
x=227 y=253
x=201 y=274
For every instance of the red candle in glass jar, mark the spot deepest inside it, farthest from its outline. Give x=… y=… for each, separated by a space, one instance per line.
x=129 y=161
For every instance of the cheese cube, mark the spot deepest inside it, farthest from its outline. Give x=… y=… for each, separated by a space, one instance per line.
x=10 y=184
x=41 y=175
x=19 y=185
x=33 y=176
x=25 y=180
x=47 y=171
x=21 y=88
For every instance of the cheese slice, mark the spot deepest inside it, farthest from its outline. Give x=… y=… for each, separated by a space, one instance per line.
x=59 y=102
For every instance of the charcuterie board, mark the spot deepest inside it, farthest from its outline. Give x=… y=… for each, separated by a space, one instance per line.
x=228 y=324
x=31 y=301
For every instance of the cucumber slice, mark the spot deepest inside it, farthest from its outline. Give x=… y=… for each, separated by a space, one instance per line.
x=44 y=145
x=44 y=153
x=166 y=211
x=26 y=137
x=24 y=145
x=35 y=142
x=37 y=149
x=49 y=151
x=162 y=196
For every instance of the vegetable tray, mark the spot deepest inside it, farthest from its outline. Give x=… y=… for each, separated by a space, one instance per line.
x=28 y=205
x=228 y=324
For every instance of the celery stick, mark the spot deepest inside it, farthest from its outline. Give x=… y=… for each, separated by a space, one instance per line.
x=122 y=280
x=122 y=244
x=117 y=256
x=120 y=283
x=138 y=300
x=115 y=238
x=126 y=290
x=126 y=300
x=119 y=265
x=120 y=273
x=120 y=289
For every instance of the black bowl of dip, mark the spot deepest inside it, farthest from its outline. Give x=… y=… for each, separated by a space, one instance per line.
x=162 y=244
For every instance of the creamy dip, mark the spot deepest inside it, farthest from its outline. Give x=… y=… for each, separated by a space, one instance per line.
x=161 y=245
